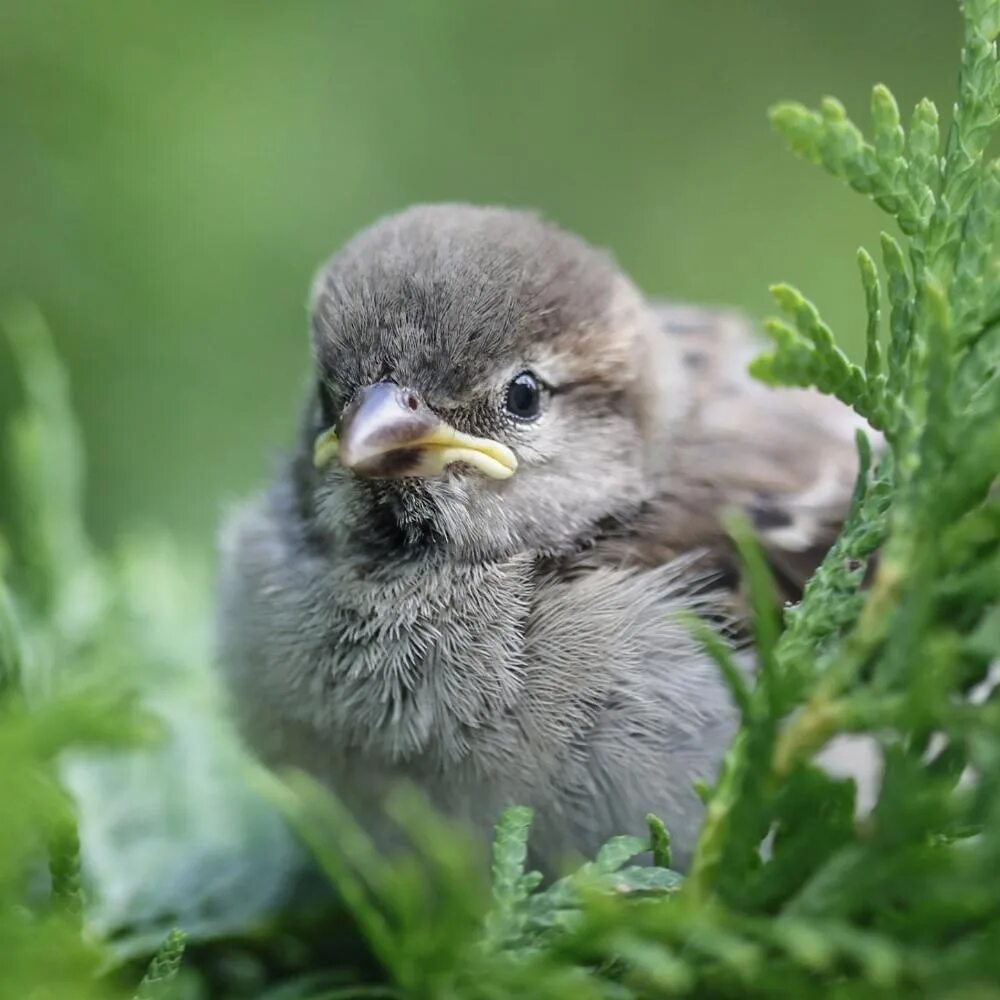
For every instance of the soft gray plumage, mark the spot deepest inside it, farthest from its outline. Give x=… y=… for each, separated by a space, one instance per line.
x=513 y=640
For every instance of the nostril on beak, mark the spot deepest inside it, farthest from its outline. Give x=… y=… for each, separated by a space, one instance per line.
x=411 y=401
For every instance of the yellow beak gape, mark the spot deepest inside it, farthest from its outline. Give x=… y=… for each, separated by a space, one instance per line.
x=326 y=448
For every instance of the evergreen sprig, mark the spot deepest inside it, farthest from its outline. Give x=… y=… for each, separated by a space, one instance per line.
x=163 y=968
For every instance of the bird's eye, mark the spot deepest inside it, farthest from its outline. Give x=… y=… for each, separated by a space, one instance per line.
x=524 y=396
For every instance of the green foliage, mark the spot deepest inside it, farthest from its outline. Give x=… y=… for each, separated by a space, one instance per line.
x=163 y=968
x=790 y=892
x=64 y=867
x=82 y=660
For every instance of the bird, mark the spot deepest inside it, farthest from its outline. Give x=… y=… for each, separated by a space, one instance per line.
x=509 y=486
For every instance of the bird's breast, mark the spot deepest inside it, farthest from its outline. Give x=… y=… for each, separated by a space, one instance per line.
x=398 y=659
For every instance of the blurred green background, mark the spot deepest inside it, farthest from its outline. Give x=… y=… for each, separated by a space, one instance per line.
x=171 y=174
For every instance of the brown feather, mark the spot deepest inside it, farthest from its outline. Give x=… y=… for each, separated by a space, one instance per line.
x=785 y=457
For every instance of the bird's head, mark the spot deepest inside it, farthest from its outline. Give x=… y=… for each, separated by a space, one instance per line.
x=485 y=382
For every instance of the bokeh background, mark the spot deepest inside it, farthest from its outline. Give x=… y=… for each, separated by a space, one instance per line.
x=171 y=174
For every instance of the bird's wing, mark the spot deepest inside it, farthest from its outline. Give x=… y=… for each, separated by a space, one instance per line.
x=786 y=457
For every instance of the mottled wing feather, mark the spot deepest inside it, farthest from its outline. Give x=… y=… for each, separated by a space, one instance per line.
x=785 y=456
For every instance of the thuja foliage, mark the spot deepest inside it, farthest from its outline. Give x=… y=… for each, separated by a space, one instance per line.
x=62 y=614
x=794 y=890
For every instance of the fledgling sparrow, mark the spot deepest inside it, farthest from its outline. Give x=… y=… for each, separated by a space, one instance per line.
x=509 y=480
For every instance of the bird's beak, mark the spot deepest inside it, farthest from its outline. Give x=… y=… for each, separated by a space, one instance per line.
x=389 y=432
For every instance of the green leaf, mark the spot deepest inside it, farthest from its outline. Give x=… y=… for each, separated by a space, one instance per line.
x=163 y=968
x=639 y=879
x=873 y=350
x=615 y=852
x=721 y=655
x=801 y=128
x=889 y=138
x=809 y=356
x=976 y=246
x=11 y=654
x=923 y=147
x=659 y=841
x=59 y=570
x=342 y=849
x=900 y=292
x=763 y=592
x=64 y=867
x=654 y=965
x=982 y=18
x=510 y=850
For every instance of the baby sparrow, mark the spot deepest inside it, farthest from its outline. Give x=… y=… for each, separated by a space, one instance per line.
x=509 y=480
